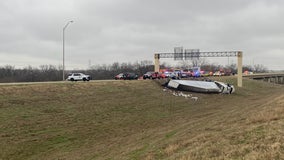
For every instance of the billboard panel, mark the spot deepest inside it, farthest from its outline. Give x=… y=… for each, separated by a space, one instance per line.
x=189 y=54
x=178 y=53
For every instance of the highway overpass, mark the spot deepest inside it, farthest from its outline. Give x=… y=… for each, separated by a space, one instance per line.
x=268 y=77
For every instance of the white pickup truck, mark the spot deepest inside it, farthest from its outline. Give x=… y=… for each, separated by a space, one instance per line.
x=78 y=77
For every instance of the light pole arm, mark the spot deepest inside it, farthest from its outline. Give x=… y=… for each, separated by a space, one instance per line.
x=66 y=25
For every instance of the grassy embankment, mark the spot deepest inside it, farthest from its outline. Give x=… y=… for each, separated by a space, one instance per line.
x=138 y=120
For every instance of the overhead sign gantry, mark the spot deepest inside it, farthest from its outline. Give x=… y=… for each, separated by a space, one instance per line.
x=195 y=53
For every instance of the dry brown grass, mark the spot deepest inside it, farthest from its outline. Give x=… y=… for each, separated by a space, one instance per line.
x=271 y=111
x=171 y=149
x=137 y=120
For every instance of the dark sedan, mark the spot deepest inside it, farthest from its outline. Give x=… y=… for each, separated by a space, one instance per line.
x=126 y=76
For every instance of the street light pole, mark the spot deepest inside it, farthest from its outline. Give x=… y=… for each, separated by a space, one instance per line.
x=63 y=70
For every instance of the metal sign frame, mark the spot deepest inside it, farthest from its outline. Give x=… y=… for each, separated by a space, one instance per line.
x=194 y=53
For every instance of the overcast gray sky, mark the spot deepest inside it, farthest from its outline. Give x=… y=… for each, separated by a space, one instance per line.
x=107 y=31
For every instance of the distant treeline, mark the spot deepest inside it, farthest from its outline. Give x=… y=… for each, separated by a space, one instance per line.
x=30 y=74
x=9 y=73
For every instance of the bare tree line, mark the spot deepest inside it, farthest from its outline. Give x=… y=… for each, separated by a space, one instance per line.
x=9 y=73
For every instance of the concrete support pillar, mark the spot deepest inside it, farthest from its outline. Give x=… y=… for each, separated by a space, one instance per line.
x=240 y=69
x=157 y=62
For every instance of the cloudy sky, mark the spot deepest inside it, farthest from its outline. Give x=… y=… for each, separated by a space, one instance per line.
x=107 y=31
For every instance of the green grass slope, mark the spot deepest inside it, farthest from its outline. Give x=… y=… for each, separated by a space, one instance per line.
x=138 y=120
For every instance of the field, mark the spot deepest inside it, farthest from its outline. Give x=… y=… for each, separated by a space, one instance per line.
x=138 y=120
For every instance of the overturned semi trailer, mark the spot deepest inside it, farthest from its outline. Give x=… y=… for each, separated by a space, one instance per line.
x=201 y=86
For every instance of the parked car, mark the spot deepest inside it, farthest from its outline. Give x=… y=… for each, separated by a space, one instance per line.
x=78 y=77
x=130 y=76
x=186 y=74
x=205 y=74
x=148 y=75
x=152 y=75
x=162 y=75
x=247 y=72
x=119 y=76
x=196 y=73
x=170 y=75
x=219 y=73
x=126 y=76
